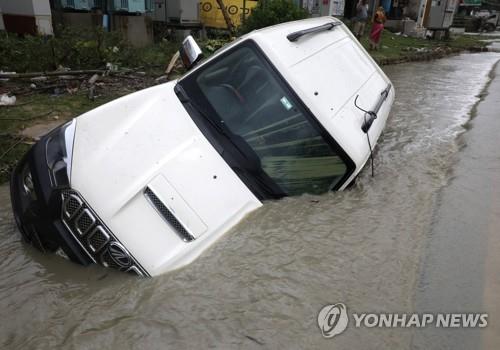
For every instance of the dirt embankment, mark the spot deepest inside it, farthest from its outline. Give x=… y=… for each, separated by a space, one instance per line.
x=434 y=54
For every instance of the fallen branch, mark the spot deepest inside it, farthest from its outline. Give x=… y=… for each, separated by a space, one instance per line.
x=48 y=74
x=94 y=79
x=16 y=105
x=130 y=77
x=229 y=23
x=12 y=147
x=172 y=62
x=28 y=119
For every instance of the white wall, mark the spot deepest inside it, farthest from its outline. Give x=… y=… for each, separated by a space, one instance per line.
x=18 y=7
x=44 y=25
x=26 y=7
x=2 y=26
x=41 y=7
x=160 y=10
x=43 y=17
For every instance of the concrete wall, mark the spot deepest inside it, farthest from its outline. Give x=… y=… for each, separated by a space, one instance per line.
x=26 y=16
x=160 y=10
x=137 y=29
x=19 y=7
x=412 y=9
x=43 y=17
x=41 y=7
x=2 y=26
x=77 y=19
x=44 y=25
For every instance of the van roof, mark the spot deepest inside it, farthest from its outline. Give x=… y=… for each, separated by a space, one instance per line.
x=289 y=27
x=274 y=39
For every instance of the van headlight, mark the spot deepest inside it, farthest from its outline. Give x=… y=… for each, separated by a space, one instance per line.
x=27 y=182
x=59 y=153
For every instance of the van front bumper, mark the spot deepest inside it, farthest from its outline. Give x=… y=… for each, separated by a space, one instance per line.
x=51 y=216
x=37 y=207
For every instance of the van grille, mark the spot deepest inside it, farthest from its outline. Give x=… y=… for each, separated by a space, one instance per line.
x=97 y=239
x=94 y=237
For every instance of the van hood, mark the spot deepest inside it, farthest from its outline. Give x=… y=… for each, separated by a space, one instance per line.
x=147 y=143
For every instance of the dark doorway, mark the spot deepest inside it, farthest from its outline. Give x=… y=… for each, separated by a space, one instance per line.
x=350 y=8
x=20 y=24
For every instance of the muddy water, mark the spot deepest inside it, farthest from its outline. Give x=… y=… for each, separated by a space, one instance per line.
x=263 y=283
x=460 y=266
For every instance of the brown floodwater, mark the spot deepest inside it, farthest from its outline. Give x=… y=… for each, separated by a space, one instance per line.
x=392 y=243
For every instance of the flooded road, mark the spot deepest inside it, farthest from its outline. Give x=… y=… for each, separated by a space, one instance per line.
x=377 y=248
x=461 y=264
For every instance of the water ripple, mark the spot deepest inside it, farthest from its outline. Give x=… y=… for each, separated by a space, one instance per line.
x=263 y=283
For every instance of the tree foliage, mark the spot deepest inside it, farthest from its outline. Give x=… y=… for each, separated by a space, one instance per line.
x=271 y=12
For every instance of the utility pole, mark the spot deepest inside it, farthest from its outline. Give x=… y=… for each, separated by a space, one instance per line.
x=244 y=11
x=229 y=24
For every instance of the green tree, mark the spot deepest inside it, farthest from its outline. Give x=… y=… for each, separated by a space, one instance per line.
x=271 y=12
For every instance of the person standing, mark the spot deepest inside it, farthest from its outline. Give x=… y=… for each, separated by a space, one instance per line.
x=377 y=28
x=361 y=18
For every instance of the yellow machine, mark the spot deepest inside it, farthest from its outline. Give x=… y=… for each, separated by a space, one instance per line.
x=211 y=14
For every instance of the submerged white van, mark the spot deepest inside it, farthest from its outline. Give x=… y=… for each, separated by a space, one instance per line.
x=146 y=183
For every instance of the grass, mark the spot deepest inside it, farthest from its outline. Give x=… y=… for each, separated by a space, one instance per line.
x=395 y=48
x=36 y=109
x=77 y=51
x=79 y=48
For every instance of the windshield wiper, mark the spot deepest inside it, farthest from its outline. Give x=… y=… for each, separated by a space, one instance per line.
x=253 y=161
x=296 y=35
x=251 y=164
x=184 y=98
x=216 y=125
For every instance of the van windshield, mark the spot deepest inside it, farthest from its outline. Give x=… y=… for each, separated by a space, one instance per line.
x=243 y=92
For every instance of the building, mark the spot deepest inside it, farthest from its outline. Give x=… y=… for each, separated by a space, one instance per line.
x=38 y=17
x=133 y=18
x=2 y=26
x=26 y=16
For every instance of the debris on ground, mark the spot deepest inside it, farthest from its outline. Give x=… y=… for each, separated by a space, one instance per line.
x=94 y=83
x=6 y=100
x=33 y=103
x=172 y=63
x=35 y=132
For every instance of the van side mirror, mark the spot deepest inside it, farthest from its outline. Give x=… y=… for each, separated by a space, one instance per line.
x=190 y=52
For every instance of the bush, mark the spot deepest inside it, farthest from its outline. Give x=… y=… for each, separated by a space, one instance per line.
x=271 y=12
x=77 y=48
x=71 y=47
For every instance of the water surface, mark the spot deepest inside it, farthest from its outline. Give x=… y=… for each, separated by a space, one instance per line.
x=263 y=283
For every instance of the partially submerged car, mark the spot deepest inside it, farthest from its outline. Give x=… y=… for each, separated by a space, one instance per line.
x=149 y=181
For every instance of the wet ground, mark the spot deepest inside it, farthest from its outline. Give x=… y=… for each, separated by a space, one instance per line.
x=420 y=236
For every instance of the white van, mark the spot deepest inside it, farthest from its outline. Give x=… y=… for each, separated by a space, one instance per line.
x=149 y=181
